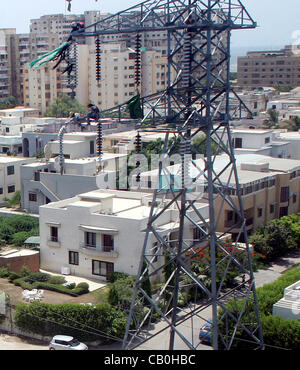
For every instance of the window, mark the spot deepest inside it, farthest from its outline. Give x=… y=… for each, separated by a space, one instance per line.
x=294 y=198
x=108 y=243
x=92 y=147
x=101 y=268
x=259 y=212
x=90 y=239
x=11 y=189
x=272 y=208
x=267 y=140
x=1 y=190
x=197 y=234
x=73 y=258
x=230 y=216
x=238 y=142
x=284 y=195
x=32 y=197
x=54 y=234
x=283 y=211
x=10 y=170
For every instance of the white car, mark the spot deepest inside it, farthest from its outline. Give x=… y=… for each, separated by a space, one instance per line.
x=64 y=342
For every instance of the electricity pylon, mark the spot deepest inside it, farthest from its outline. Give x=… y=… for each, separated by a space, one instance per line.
x=197 y=100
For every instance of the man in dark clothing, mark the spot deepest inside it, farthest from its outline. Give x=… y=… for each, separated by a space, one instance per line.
x=93 y=114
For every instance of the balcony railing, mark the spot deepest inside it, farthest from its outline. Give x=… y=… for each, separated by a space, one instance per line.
x=235 y=225
x=98 y=251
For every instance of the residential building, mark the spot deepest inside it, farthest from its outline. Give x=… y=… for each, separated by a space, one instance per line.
x=288 y=306
x=293 y=140
x=270 y=188
x=42 y=182
x=9 y=76
x=10 y=175
x=76 y=145
x=13 y=123
x=269 y=68
x=96 y=233
x=259 y=141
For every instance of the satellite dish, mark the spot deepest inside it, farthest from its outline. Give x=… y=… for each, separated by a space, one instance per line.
x=48 y=152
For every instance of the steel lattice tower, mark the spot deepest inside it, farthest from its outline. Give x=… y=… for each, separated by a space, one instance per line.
x=198 y=99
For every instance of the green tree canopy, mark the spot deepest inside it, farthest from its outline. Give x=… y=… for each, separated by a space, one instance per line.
x=9 y=102
x=62 y=107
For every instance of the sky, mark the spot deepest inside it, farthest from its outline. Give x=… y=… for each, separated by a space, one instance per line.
x=277 y=20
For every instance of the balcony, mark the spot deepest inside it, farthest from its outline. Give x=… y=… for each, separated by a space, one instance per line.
x=238 y=225
x=97 y=251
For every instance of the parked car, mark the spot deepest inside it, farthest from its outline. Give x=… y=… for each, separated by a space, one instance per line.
x=64 y=342
x=205 y=333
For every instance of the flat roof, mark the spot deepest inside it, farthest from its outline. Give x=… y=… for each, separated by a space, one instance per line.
x=275 y=165
x=18 y=253
x=8 y=159
x=251 y=131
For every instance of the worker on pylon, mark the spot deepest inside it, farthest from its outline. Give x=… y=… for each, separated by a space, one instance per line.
x=93 y=114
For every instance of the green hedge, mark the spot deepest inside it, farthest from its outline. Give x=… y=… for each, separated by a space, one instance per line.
x=81 y=288
x=87 y=323
x=277 y=332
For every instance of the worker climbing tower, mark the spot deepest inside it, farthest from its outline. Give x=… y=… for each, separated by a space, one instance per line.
x=197 y=101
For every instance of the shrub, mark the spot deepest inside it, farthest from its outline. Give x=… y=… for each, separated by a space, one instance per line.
x=116 y=276
x=276 y=331
x=24 y=271
x=13 y=276
x=56 y=280
x=84 y=322
x=81 y=288
x=4 y=272
x=22 y=223
x=6 y=232
x=19 y=238
x=120 y=292
x=37 y=276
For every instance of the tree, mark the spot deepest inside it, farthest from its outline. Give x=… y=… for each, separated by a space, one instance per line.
x=15 y=200
x=293 y=124
x=275 y=239
x=62 y=107
x=273 y=117
x=9 y=102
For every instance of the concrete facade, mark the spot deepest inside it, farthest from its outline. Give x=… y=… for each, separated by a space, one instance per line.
x=42 y=182
x=288 y=306
x=269 y=68
x=99 y=232
x=10 y=175
x=16 y=259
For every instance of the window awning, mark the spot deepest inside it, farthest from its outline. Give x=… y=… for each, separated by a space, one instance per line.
x=97 y=229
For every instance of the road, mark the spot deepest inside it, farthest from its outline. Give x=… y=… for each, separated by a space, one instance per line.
x=11 y=343
x=161 y=341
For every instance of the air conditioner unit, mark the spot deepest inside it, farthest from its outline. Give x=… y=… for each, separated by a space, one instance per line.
x=65 y=270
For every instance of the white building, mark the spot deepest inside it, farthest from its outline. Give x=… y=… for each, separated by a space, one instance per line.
x=288 y=307
x=96 y=233
x=43 y=183
x=14 y=122
x=259 y=141
x=10 y=178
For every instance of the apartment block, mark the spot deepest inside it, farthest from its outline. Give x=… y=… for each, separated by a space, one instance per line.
x=42 y=182
x=10 y=175
x=270 y=188
x=99 y=232
x=269 y=68
x=9 y=76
